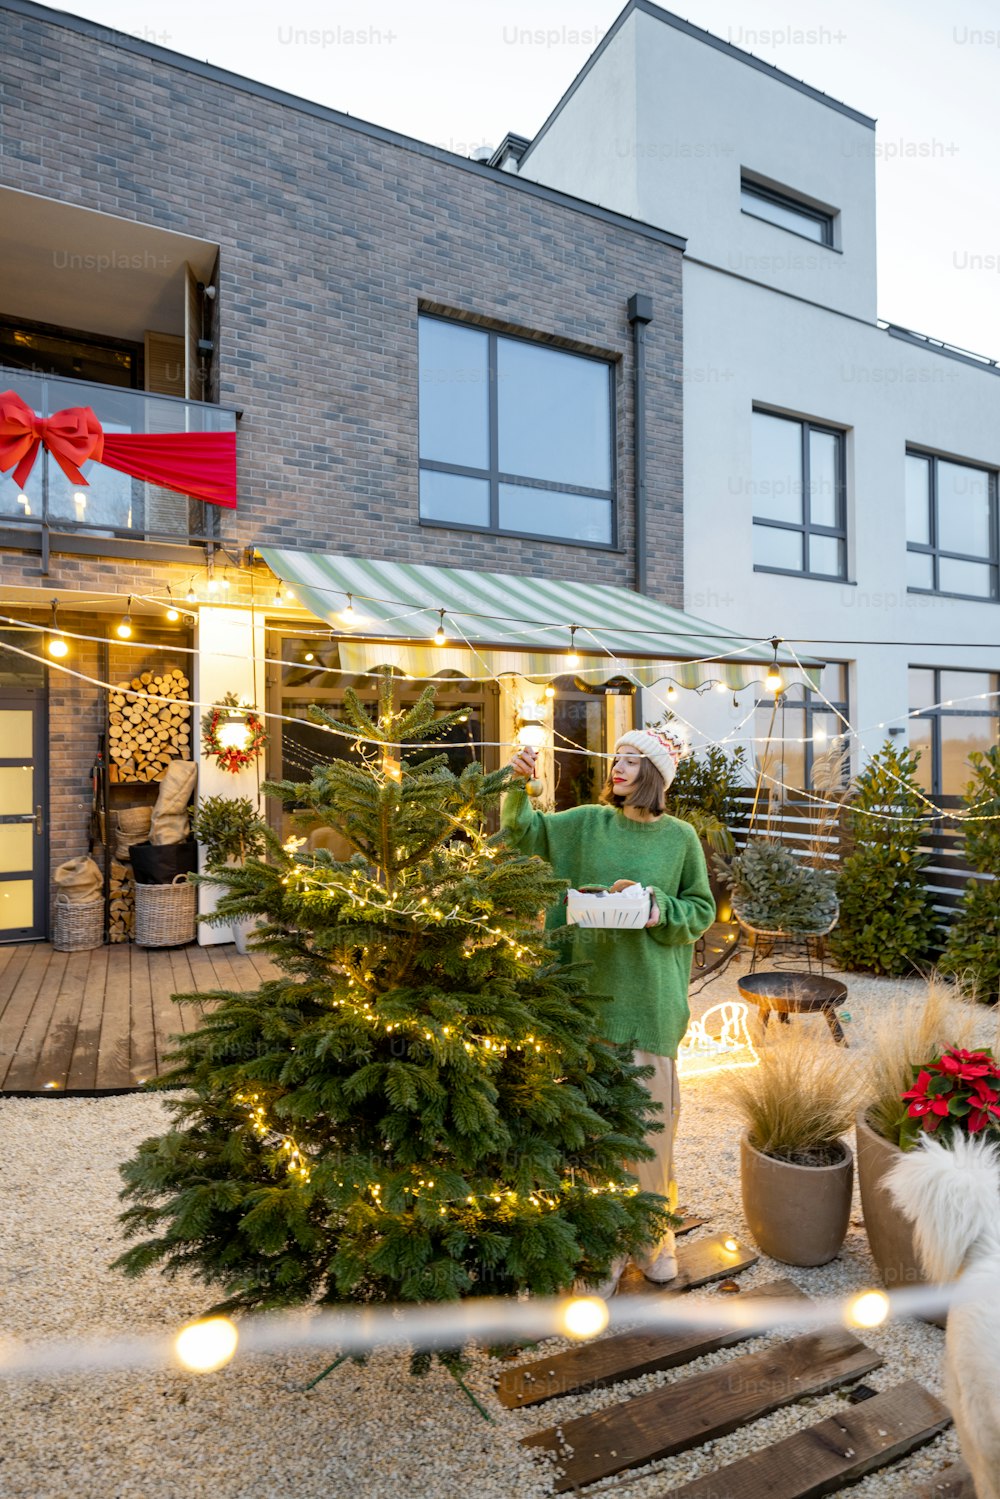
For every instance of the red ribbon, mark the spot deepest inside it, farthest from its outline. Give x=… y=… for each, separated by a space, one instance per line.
x=71 y=436
x=201 y=464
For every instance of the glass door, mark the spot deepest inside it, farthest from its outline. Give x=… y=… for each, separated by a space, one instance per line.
x=23 y=872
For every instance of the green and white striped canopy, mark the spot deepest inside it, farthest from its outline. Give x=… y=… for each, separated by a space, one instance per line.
x=497 y=623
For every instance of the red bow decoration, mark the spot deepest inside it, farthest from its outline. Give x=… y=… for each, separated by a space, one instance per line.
x=71 y=436
x=201 y=464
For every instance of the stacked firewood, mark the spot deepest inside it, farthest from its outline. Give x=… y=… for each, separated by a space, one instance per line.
x=148 y=727
x=122 y=924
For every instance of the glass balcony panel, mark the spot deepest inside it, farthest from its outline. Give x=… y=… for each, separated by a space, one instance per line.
x=110 y=503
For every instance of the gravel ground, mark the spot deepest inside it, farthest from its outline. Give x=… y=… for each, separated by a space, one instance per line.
x=367 y=1433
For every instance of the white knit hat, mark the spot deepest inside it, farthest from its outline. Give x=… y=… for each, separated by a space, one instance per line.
x=663 y=751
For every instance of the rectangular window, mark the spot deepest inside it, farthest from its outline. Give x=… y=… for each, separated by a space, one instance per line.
x=803 y=727
x=952 y=544
x=799 y=521
x=515 y=437
x=952 y=713
x=786 y=211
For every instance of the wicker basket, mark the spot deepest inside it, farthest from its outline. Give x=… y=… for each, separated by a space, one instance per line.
x=129 y=825
x=79 y=924
x=165 y=914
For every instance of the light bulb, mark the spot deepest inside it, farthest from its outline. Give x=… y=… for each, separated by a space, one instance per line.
x=191 y=596
x=289 y=593
x=125 y=628
x=309 y=656
x=550 y=691
x=573 y=658
x=347 y=613
x=773 y=681
x=58 y=647
x=720 y=687
x=440 y=638
x=671 y=692
x=173 y=615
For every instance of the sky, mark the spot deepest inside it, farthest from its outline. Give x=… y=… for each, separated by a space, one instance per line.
x=461 y=73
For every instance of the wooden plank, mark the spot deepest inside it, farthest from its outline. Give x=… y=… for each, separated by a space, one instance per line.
x=114 y=1069
x=142 y=1022
x=702 y=1407
x=953 y=1482
x=628 y=1355
x=24 y=987
x=23 y=1072
x=57 y=1049
x=831 y=1453
x=188 y=1016
x=219 y=957
x=167 y=1020
x=83 y=1064
x=699 y=1262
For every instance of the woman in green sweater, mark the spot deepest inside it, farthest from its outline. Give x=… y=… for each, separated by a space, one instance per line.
x=629 y=837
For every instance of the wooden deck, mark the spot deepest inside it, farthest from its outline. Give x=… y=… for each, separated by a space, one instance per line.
x=101 y=1021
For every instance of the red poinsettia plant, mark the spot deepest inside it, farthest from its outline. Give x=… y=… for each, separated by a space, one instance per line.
x=957 y=1091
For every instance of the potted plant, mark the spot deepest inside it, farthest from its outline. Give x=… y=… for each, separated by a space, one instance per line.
x=777 y=894
x=797 y=1172
x=905 y=1037
x=231 y=830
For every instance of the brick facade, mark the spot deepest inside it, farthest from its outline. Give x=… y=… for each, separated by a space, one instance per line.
x=332 y=237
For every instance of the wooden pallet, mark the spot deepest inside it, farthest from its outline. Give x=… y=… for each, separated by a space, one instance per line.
x=702 y=1407
x=699 y=1262
x=953 y=1482
x=594 y=1366
x=830 y=1454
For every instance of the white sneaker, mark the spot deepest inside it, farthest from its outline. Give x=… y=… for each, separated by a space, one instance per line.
x=660 y=1263
x=603 y=1288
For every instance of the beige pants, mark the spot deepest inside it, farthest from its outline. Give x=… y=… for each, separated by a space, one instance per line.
x=657 y=1175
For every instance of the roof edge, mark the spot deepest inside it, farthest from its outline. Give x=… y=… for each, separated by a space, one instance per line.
x=155 y=53
x=658 y=13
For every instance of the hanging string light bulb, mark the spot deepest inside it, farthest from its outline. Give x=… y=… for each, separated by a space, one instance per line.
x=774 y=682
x=347 y=613
x=125 y=625
x=191 y=596
x=440 y=638
x=720 y=686
x=173 y=614
x=671 y=693
x=58 y=644
x=573 y=659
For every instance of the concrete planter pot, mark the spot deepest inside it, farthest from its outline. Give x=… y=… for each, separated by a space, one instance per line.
x=890 y=1235
x=796 y=1214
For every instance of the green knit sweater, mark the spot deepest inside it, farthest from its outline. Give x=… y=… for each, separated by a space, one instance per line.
x=645 y=972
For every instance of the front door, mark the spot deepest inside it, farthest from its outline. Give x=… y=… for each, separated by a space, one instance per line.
x=23 y=872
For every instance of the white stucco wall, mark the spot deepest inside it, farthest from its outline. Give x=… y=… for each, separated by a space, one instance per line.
x=661 y=128
x=752 y=346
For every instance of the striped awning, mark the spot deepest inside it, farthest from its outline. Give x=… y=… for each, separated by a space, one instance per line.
x=500 y=623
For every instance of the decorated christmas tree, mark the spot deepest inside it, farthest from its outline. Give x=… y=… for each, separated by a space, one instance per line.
x=419 y=1108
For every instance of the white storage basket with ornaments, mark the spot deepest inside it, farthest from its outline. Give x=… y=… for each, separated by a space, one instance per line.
x=620 y=910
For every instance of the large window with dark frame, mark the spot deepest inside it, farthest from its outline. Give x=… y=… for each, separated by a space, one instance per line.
x=799 y=507
x=952 y=539
x=786 y=211
x=952 y=713
x=805 y=723
x=515 y=437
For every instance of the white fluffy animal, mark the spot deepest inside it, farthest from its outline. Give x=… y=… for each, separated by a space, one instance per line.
x=951 y=1194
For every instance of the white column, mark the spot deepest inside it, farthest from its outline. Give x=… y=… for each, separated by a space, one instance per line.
x=230 y=658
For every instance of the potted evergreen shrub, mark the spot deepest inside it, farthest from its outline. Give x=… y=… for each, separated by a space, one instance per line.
x=777 y=894
x=887 y=922
x=231 y=830
x=796 y=1170
x=972 y=952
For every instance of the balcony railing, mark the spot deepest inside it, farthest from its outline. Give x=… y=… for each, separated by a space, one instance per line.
x=112 y=504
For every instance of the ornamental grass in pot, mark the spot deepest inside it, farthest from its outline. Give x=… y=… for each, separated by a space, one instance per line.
x=905 y=1037
x=796 y=1170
